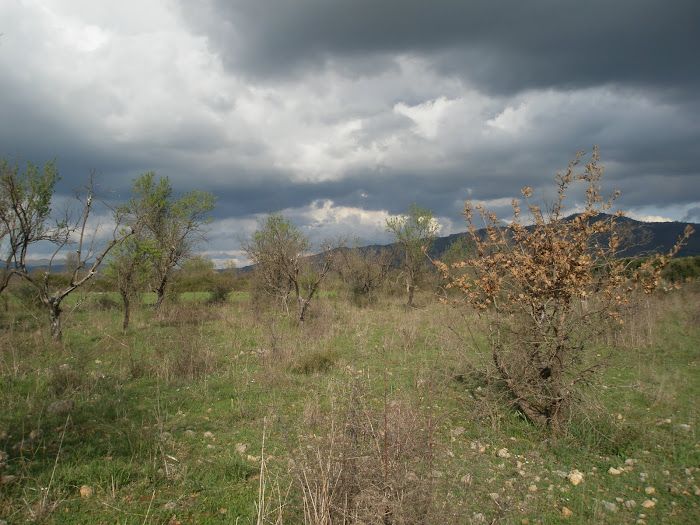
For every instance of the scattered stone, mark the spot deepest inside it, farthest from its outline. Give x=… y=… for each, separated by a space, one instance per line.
x=609 y=506
x=684 y=427
x=650 y=490
x=7 y=479
x=242 y=447
x=649 y=504
x=566 y=512
x=503 y=453
x=494 y=496
x=208 y=435
x=165 y=436
x=666 y=473
x=619 y=500
x=614 y=471
x=562 y=474
x=630 y=504
x=254 y=459
x=532 y=488
x=456 y=432
x=86 y=492
x=467 y=479
x=190 y=433
x=25 y=444
x=170 y=505
x=630 y=462
x=575 y=477
x=60 y=407
x=210 y=446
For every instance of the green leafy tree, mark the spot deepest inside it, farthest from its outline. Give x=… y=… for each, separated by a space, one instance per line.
x=174 y=226
x=130 y=265
x=25 y=210
x=414 y=232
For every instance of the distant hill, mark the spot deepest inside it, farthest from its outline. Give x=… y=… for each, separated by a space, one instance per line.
x=643 y=238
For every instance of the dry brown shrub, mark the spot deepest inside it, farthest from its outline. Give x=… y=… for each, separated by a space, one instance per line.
x=367 y=461
x=545 y=292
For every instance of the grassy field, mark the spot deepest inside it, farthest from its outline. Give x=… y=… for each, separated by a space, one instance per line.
x=227 y=414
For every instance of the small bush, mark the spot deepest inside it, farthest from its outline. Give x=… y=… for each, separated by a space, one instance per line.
x=65 y=379
x=104 y=302
x=219 y=292
x=27 y=295
x=316 y=360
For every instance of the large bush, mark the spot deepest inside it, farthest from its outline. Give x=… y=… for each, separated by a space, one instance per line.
x=544 y=291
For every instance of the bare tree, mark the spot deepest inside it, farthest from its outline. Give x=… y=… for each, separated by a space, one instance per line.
x=25 y=217
x=364 y=270
x=280 y=252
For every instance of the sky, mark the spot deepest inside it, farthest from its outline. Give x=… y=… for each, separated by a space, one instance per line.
x=339 y=114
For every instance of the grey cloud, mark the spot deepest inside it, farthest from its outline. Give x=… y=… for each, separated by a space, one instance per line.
x=502 y=46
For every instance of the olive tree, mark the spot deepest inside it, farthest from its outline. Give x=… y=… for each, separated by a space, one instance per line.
x=414 y=232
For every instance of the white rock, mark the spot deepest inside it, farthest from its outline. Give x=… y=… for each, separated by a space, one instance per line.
x=614 y=471
x=575 y=477
x=609 y=506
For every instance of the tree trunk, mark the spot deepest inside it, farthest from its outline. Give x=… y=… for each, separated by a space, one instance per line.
x=160 y=291
x=303 y=305
x=127 y=310
x=55 y=320
x=411 y=291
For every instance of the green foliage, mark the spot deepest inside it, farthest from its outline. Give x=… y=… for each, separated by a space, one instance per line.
x=181 y=413
x=682 y=269
x=415 y=233
x=166 y=231
x=276 y=248
x=25 y=210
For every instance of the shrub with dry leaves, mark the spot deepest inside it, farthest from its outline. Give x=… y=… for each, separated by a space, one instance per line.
x=545 y=291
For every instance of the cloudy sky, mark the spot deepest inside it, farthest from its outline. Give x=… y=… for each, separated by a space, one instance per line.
x=340 y=113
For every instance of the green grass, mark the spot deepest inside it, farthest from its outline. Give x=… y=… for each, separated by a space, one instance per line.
x=169 y=418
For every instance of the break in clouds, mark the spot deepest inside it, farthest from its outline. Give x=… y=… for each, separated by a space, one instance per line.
x=339 y=114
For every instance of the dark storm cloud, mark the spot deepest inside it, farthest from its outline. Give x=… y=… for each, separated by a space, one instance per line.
x=501 y=46
x=339 y=113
